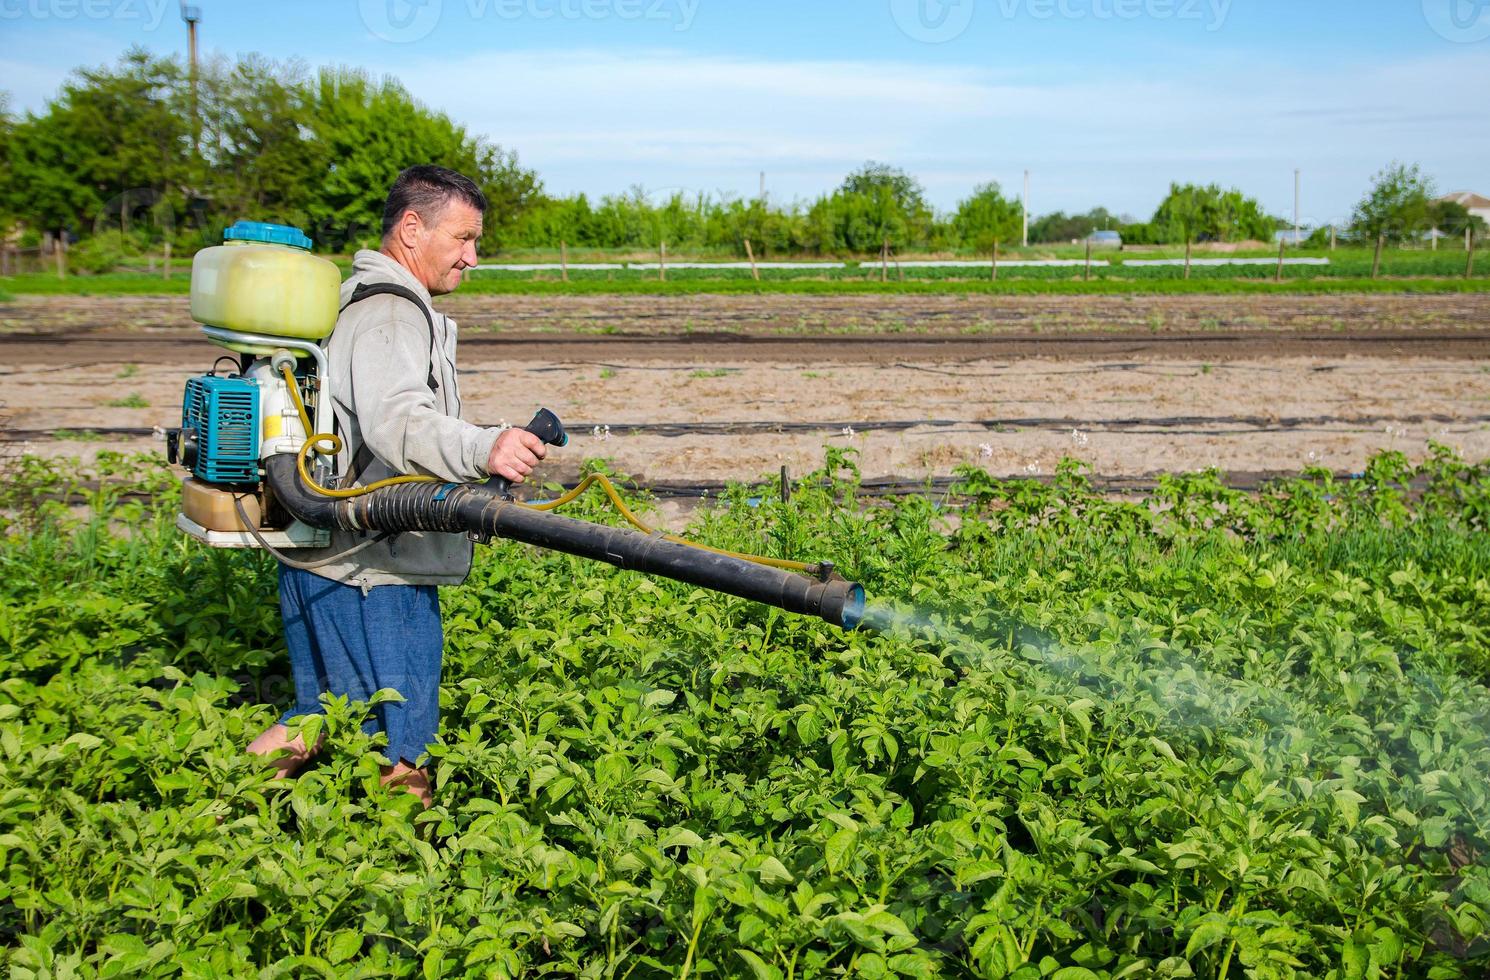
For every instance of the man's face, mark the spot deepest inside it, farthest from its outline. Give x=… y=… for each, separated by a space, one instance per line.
x=446 y=247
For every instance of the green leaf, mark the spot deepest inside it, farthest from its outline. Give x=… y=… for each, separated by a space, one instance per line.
x=809 y=727
x=773 y=872
x=659 y=698
x=759 y=968
x=343 y=946
x=1435 y=831
x=84 y=741
x=836 y=851
x=681 y=837
x=1210 y=932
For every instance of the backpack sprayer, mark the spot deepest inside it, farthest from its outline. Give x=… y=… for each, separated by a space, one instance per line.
x=258 y=441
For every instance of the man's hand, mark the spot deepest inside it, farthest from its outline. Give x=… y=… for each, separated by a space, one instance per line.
x=515 y=454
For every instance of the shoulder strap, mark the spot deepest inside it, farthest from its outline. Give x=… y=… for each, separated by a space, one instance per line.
x=369 y=289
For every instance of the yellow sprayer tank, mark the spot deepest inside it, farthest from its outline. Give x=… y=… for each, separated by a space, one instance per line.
x=264 y=280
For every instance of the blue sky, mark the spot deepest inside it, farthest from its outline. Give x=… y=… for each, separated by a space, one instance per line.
x=1105 y=101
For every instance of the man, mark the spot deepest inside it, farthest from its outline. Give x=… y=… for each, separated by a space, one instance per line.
x=372 y=620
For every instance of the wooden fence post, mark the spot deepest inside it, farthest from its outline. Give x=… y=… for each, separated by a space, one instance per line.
x=165 y=266
x=1187 y=256
x=1282 y=244
x=1381 y=243
x=1332 y=238
x=564 y=259
x=60 y=246
x=1086 y=274
x=995 y=260
x=754 y=272
x=885 y=261
x=662 y=267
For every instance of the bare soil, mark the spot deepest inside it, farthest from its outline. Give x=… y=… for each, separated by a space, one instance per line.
x=711 y=388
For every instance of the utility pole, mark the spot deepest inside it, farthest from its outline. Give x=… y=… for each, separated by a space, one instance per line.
x=193 y=17
x=1296 y=188
x=1026 y=209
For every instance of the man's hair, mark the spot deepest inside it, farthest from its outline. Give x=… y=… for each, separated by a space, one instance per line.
x=426 y=190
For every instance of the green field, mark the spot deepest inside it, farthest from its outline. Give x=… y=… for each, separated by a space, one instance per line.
x=1414 y=270
x=1205 y=734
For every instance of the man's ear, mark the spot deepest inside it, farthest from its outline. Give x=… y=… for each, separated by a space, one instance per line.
x=409 y=229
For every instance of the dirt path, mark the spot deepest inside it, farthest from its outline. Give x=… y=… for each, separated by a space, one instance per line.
x=187 y=348
x=796 y=315
x=676 y=406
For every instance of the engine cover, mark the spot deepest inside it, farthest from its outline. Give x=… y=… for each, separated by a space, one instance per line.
x=220 y=419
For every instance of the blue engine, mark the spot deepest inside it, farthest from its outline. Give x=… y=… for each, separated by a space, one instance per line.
x=219 y=438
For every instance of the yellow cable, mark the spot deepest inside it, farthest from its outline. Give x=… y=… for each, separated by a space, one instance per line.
x=333 y=444
x=636 y=522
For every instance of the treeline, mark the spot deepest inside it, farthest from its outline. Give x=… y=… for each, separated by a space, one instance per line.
x=131 y=155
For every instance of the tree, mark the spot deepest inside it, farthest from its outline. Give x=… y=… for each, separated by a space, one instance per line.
x=987 y=217
x=113 y=139
x=1191 y=212
x=1060 y=227
x=874 y=179
x=364 y=133
x=255 y=139
x=7 y=137
x=1397 y=206
x=1453 y=219
x=875 y=204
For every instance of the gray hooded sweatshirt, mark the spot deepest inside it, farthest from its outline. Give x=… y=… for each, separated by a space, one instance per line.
x=380 y=360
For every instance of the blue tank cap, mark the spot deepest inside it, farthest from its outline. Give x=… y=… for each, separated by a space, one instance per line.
x=261 y=231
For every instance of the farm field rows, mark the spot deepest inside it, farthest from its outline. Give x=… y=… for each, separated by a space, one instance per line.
x=714 y=388
x=1205 y=734
x=168 y=317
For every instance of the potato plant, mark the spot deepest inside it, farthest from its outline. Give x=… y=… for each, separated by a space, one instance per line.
x=1206 y=734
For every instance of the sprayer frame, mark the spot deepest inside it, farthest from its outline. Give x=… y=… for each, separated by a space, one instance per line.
x=223 y=338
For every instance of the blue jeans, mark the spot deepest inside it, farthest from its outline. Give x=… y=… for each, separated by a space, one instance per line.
x=343 y=642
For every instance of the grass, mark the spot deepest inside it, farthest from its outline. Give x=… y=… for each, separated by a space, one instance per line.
x=132 y=400
x=1405 y=271
x=1004 y=287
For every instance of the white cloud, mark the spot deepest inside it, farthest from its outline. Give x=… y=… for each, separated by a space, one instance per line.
x=602 y=121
